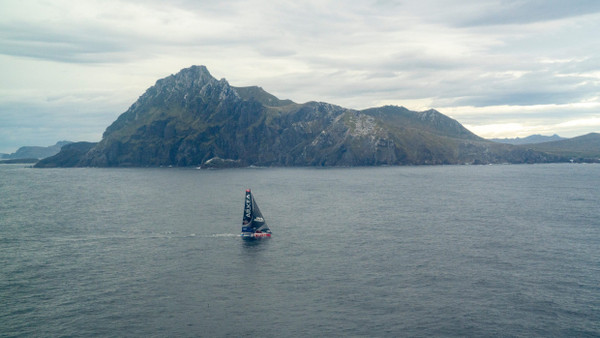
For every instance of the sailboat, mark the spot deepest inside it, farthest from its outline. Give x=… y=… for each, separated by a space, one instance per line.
x=253 y=223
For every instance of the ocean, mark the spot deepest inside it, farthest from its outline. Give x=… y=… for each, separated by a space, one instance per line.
x=503 y=250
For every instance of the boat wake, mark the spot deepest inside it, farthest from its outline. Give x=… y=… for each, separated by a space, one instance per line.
x=224 y=235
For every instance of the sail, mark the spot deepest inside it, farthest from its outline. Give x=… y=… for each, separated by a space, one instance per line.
x=257 y=218
x=253 y=219
x=247 y=219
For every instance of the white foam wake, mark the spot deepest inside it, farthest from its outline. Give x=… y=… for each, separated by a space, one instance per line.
x=224 y=235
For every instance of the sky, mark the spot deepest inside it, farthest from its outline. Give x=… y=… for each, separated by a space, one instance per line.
x=502 y=68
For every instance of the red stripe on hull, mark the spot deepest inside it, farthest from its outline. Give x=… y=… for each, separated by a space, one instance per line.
x=262 y=235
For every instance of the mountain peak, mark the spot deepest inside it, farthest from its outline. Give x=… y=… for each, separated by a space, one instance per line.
x=189 y=88
x=192 y=77
x=189 y=118
x=531 y=139
x=195 y=70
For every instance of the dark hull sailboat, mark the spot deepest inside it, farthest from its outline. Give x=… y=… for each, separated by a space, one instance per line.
x=253 y=222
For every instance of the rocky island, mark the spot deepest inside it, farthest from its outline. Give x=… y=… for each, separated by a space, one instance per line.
x=192 y=119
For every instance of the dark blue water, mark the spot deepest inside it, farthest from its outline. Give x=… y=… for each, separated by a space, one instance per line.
x=397 y=251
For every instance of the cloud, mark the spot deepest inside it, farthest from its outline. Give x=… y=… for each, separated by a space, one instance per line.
x=107 y=31
x=476 y=13
x=567 y=120
x=530 y=11
x=458 y=57
x=43 y=124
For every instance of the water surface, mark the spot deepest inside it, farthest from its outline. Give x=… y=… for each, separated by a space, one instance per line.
x=395 y=251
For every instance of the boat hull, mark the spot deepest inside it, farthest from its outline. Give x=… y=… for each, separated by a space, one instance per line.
x=251 y=236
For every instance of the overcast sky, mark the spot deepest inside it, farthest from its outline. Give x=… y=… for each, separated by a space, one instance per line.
x=501 y=68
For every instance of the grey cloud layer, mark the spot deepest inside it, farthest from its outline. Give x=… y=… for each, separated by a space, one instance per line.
x=429 y=53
